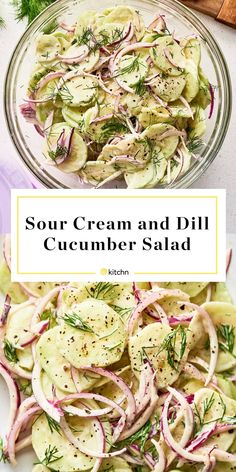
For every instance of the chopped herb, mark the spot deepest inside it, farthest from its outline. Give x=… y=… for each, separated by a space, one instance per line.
x=26 y=387
x=59 y=152
x=112 y=128
x=139 y=437
x=122 y=311
x=110 y=348
x=30 y=8
x=140 y=87
x=53 y=424
x=169 y=345
x=134 y=66
x=74 y=320
x=94 y=42
x=46 y=315
x=109 y=334
x=10 y=351
x=207 y=404
x=51 y=455
x=3 y=457
x=102 y=290
x=195 y=145
x=226 y=336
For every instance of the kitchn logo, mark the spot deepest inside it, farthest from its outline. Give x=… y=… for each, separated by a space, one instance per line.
x=104 y=271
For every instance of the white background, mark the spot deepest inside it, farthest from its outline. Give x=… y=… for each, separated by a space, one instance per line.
x=221 y=174
x=201 y=260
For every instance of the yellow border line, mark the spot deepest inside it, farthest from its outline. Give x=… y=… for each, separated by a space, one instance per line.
x=114 y=197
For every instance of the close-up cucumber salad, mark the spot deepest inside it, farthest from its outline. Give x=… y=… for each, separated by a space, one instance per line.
x=114 y=98
x=119 y=377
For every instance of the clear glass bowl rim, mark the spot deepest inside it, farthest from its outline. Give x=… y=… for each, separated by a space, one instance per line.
x=224 y=113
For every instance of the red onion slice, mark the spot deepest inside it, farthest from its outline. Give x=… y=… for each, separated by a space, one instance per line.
x=228 y=259
x=5 y=311
x=38 y=329
x=51 y=409
x=15 y=431
x=68 y=28
x=186 y=104
x=83 y=52
x=170 y=58
x=210 y=329
x=202 y=438
x=212 y=105
x=85 y=413
x=131 y=409
x=158 y=24
x=161 y=464
x=100 y=434
x=169 y=439
x=14 y=396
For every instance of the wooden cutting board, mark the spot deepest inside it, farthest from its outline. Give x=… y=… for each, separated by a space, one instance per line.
x=222 y=10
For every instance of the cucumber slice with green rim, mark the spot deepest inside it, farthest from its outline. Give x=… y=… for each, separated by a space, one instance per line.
x=192 y=80
x=97 y=342
x=203 y=98
x=47 y=48
x=78 y=155
x=197 y=127
x=151 y=116
x=192 y=49
x=168 y=56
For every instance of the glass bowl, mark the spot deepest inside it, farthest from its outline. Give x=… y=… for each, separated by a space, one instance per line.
x=180 y=19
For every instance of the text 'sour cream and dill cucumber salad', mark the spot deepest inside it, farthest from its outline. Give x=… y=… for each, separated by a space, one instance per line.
x=115 y=98
x=119 y=377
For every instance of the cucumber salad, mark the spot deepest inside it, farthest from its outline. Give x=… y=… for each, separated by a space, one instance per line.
x=119 y=377
x=114 y=98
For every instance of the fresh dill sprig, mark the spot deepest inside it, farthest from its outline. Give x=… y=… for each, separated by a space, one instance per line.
x=195 y=145
x=74 y=320
x=3 y=457
x=227 y=335
x=30 y=8
x=207 y=404
x=102 y=291
x=134 y=66
x=10 y=351
x=113 y=127
x=139 y=437
x=122 y=311
x=140 y=87
x=53 y=424
x=103 y=39
x=51 y=455
x=2 y=23
x=110 y=348
x=169 y=345
x=59 y=152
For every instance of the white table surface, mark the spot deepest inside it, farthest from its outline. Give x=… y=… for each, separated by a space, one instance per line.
x=221 y=174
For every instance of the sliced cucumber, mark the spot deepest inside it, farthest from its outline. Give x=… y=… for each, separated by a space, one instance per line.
x=78 y=153
x=79 y=91
x=48 y=47
x=54 y=364
x=12 y=288
x=151 y=116
x=191 y=288
x=102 y=345
x=167 y=145
x=150 y=342
x=166 y=53
x=221 y=406
x=18 y=324
x=192 y=49
x=223 y=314
x=198 y=125
x=203 y=98
x=95 y=172
x=169 y=88
x=115 y=464
x=85 y=20
x=131 y=70
x=192 y=80
x=71 y=459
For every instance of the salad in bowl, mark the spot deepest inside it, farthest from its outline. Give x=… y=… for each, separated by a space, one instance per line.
x=115 y=98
